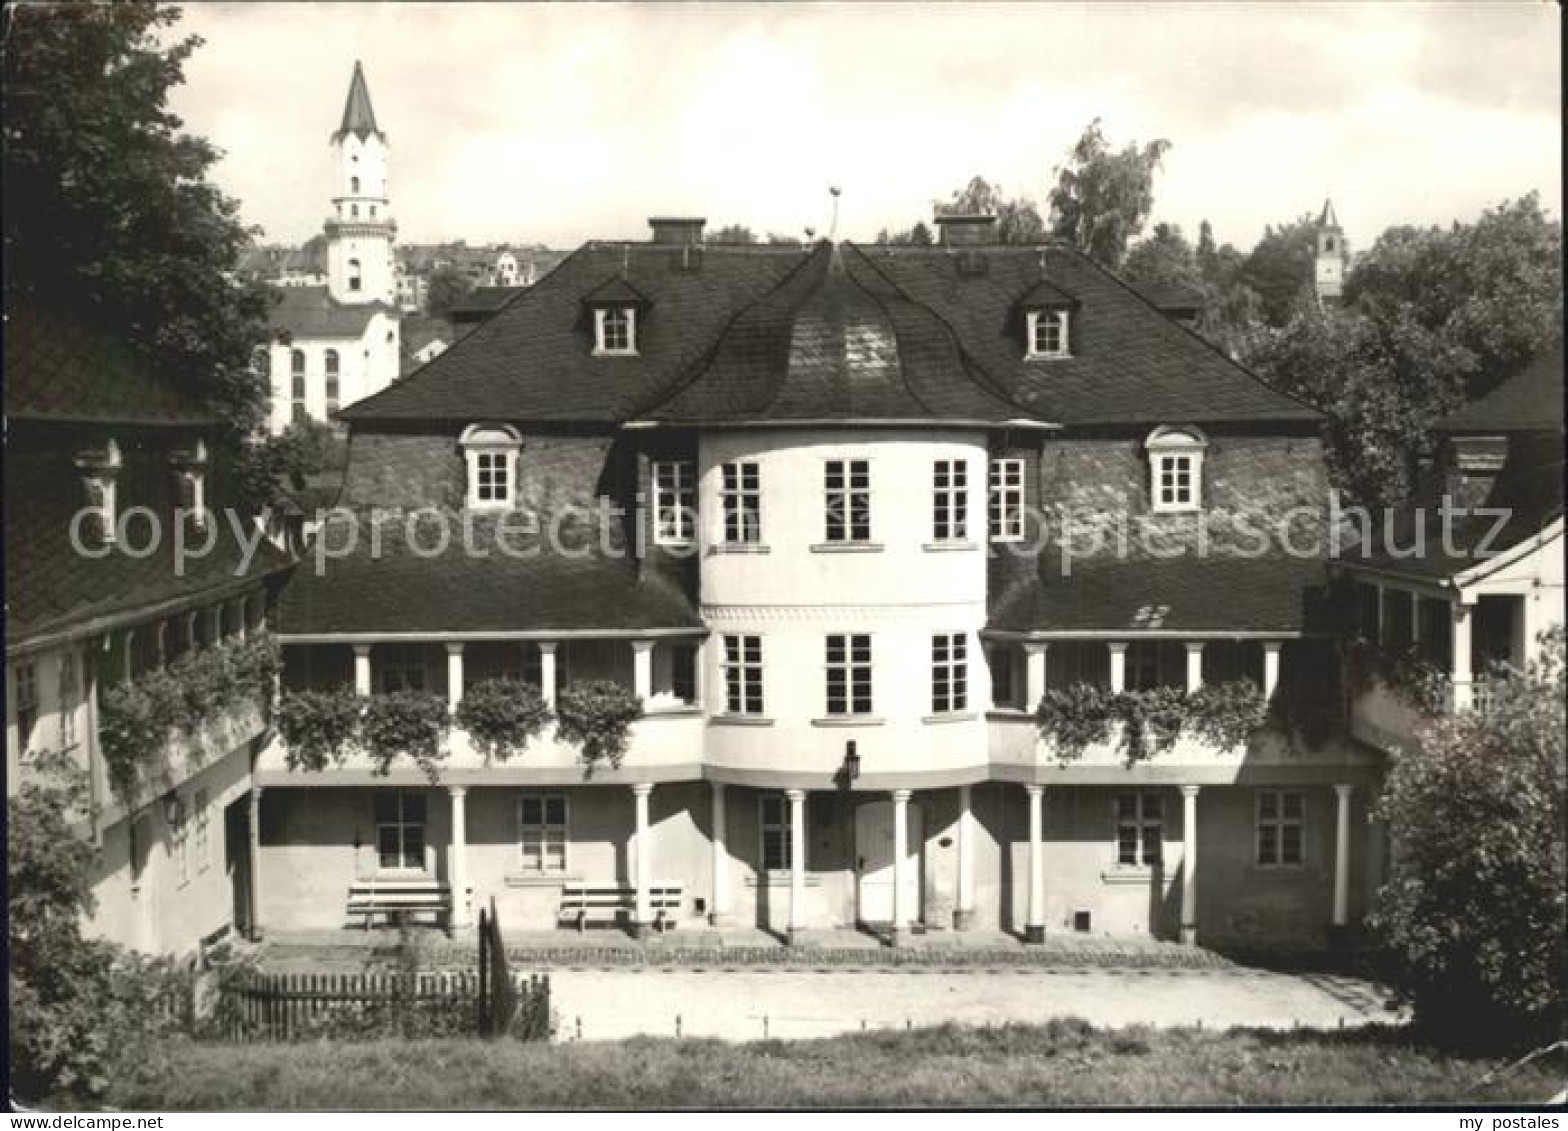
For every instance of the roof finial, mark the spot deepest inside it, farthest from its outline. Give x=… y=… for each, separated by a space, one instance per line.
x=626 y=260
x=833 y=191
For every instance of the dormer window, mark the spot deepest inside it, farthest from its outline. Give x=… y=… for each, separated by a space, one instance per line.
x=190 y=481
x=615 y=330
x=100 y=469
x=1175 y=469
x=1048 y=333
x=491 y=453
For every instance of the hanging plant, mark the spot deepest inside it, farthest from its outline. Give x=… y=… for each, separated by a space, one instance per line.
x=1227 y=714
x=414 y=723
x=502 y=716
x=1151 y=720
x=1074 y=718
x=318 y=727
x=596 y=715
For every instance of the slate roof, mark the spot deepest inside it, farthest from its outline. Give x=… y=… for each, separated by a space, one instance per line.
x=61 y=367
x=312 y=312
x=835 y=342
x=358 y=116
x=1179 y=594
x=456 y=592
x=1529 y=401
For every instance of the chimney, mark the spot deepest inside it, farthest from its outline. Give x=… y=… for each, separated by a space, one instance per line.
x=1473 y=465
x=966 y=229
x=682 y=231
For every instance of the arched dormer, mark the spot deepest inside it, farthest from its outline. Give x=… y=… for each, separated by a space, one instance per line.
x=490 y=451
x=1175 y=468
x=100 y=470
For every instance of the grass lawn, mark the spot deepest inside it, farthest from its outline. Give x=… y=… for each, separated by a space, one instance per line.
x=1064 y=1063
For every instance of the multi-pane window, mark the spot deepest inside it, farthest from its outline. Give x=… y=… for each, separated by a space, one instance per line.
x=297 y=370
x=683 y=672
x=493 y=477
x=402 y=667
x=741 y=495
x=203 y=831
x=949 y=673
x=26 y=703
x=355 y=273
x=1005 y=691
x=70 y=695
x=1140 y=828
x=849 y=674
x=1281 y=822
x=332 y=381
x=617 y=327
x=847 y=485
x=400 y=830
x=1007 y=500
x=1175 y=482
x=743 y=675
x=775 y=832
x=1048 y=333
x=541 y=832
x=674 y=503
x=949 y=500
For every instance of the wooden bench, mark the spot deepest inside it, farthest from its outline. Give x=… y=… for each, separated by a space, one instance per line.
x=389 y=897
x=582 y=901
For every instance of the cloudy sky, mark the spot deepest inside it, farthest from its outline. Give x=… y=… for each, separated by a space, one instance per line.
x=557 y=123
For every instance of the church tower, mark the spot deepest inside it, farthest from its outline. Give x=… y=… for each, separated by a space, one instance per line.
x=360 y=230
x=1328 y=279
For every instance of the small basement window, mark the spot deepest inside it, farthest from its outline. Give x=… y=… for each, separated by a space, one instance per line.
x=490 y=451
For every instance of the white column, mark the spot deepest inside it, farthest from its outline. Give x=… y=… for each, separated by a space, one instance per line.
x=642 y=669
x=1035 y=654
x=1189 y=864
x=902 y=912
x=797 y=863
x=1415 y=619
x=362 y=669
x=457 y=858
x=964 y=913
x=255 y=862
x=241 y=629
x=642 y=859
x=719 y=915
x=1342 y=855
x=454 y=675
x=1194 y=665
x=1271 y=650
x=1034 y=928
x=1462 y=674
x=1118 y=666
x=547 y=670
x=129 y=657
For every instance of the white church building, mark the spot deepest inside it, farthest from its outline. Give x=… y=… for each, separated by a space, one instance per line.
x=336 y=344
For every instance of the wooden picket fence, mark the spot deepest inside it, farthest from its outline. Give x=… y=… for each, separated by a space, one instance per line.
x=255 y=1006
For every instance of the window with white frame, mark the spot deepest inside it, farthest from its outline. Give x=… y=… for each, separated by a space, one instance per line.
x=743 y=675
x=849 y=674
x=949 y=500
x=1281 y=828
x=1007 y=500
x=491 y=455
x=70 y=697
x=615 y=330
x=400 y=830
x=26 y=679
x=674 y=502
x=542 y=832
x=740 y=493
x=401 y=667
x=100 y=468
x=774 y=822
x=847 y=498
x=949 y=673
x=333 y=390
x=1175 y=469
x=203 y=830
x=1048 y=333
x=1140 y=828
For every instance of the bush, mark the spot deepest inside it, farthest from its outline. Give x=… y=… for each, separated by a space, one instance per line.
x=1152 y=720
x=318 y=727
x=597 y=716
x=406 y=722
x=1473 y=909
x=1075 y=718
x=501 y=716
x=1227 y=714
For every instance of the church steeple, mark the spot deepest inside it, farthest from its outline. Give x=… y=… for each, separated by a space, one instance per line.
x=359 y=118
x=1328 y=276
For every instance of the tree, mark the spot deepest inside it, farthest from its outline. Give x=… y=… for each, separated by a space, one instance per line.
x=108 y=205
x=917 y=236
x=304 y=448
x=1017 y=220
x=1164 y=259
x=1280 y=269
x=732 y=233
x=1103 y=196
x=1473 y=907
x=446 y=288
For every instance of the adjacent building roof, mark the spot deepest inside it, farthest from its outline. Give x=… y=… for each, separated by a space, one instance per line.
x=1530 y=401
x=62 y=367
x=358 y=117
x=482 y=302
x=312 y=312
